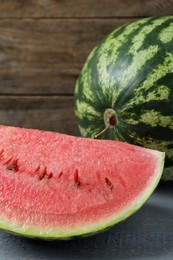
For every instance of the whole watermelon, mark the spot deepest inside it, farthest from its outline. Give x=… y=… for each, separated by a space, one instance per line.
x=125 y=89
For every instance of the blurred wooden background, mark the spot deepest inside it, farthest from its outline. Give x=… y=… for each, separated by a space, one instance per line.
x=43 y=46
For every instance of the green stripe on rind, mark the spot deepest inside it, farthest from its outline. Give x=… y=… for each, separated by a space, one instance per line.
x=154 y=91
x=167 y=174
x=62 y=233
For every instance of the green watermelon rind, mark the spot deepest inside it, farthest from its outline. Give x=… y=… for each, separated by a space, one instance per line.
x=130 y=71
x=86 y=230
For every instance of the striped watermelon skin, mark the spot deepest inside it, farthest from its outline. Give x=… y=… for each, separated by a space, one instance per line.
x=131 y=72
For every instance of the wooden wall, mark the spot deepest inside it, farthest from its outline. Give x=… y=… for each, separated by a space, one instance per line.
x=43 y=45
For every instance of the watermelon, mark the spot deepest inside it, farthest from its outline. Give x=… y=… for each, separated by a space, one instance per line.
x=125 y=89
x=55 y=186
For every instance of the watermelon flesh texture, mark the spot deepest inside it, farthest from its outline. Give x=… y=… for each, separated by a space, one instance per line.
x=59 y=186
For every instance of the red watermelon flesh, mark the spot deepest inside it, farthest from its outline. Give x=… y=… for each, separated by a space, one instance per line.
x=57 y=186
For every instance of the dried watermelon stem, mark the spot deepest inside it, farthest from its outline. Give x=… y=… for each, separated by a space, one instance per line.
x=110 y=120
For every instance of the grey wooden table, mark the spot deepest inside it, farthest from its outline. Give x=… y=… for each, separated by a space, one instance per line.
x=148 y=234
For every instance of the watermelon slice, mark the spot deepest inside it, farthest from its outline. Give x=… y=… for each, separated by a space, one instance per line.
x=59 y=186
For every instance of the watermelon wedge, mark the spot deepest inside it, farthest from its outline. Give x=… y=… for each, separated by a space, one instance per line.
x=55 y=186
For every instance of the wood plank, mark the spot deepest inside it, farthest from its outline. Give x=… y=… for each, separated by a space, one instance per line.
x=46 y=56
x=51 y=113
x=89 y=8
